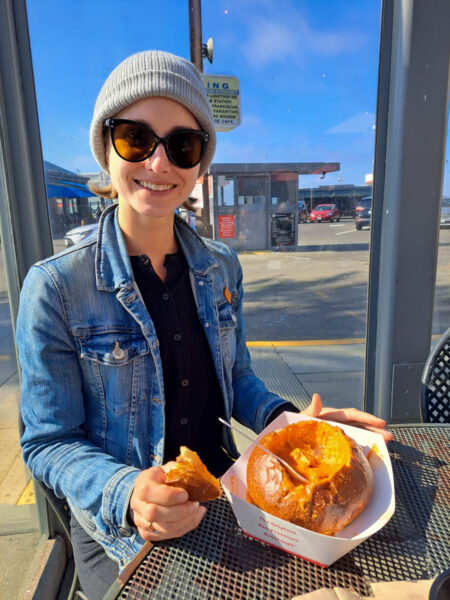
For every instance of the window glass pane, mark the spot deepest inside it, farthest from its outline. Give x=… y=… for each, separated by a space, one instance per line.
x=225 y=191
x=18 y=515
x=308 y=75
x=308 y=80
x=441 y=316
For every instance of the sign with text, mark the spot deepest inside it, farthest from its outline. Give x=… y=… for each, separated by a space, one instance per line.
x=225 y=99
x=226 y=226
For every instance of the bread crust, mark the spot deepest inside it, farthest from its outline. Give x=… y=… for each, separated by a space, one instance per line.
x=189 y=472
x=341 y=478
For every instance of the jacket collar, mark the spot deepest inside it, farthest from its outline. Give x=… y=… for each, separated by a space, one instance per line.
x=112 y=264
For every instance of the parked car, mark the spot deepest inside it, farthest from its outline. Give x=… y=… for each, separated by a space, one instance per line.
x=325 y=212
x=302 y=212
x=75 y=235
x=445 y=212
x=363 y=213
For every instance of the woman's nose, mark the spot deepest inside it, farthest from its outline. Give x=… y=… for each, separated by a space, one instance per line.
x=158 y=161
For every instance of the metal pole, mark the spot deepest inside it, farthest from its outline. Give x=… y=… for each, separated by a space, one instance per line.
x=411 y=130
x=196 y=45
x=25 y=226
x=195 y=33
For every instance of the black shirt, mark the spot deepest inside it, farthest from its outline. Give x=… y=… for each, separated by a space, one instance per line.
x=193 y=396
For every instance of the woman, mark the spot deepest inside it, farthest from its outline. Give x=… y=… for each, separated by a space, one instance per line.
x=132 y=342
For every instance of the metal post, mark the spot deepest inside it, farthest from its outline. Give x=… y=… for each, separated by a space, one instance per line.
x=195 y=33
x=409 y=157
x=24 y=224
x=196 y=45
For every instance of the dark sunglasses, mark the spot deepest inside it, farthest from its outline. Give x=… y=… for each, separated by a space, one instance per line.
x=134 y=142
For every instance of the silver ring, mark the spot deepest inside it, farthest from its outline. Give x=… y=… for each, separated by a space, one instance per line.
x=151 y=528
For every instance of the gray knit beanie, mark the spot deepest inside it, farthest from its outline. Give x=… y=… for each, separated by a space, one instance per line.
x=152 y=73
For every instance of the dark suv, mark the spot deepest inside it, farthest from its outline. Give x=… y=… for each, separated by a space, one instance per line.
x=363 y=212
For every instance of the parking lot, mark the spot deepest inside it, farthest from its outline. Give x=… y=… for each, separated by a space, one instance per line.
x=320 y=291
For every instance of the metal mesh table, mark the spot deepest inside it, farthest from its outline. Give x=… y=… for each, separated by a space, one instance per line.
x=217 y=560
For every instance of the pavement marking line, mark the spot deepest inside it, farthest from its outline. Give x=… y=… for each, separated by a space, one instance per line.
x=27 y=496
x=348 y=231
x=267 y=344
x=294 y=343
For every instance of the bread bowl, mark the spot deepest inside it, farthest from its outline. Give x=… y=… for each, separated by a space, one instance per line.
x=340 y=476
x=190 y=473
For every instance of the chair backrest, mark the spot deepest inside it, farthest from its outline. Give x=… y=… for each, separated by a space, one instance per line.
x=435 y=404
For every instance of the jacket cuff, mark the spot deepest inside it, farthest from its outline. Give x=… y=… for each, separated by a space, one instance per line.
x=286 y=407
x=116 y=499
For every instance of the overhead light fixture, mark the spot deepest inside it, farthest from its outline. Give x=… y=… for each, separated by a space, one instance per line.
x=207 y=50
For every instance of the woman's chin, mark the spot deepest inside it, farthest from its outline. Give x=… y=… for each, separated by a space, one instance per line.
x=149 y=209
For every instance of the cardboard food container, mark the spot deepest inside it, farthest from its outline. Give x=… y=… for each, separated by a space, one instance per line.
x=315 y=547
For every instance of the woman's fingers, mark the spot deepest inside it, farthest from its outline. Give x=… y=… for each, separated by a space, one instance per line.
x=160 y=511
x=350 y=416
x=387 y=435
x=160 y=529
x=150 y=487
x=315 y=407
x=164 y=530
x=157 y=512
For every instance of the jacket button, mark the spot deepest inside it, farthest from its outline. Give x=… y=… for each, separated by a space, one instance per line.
x=117 y=352
x=185 y=382
x=201 y=283
x=206 y=324
x=184 y=421
x=177 y=337
x=124 y=532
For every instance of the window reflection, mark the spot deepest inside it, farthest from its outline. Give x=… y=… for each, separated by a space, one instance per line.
x=307 y=94
x=225 y=189
x=441 y=316
x=17 y=509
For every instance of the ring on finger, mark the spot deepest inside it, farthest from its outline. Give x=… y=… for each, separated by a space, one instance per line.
x=151 y=528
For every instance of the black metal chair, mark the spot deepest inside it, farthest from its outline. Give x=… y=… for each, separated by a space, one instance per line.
x=435 y=401
x=59 y=514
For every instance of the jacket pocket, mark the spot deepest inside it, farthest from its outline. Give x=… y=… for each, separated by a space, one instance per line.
x=114 y=363
x=227 y=332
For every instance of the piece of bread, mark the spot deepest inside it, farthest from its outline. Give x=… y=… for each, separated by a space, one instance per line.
x=341 y=478
x=188 y=472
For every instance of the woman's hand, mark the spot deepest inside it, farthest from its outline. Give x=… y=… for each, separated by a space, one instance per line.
x=349 y=416
x=159 y=511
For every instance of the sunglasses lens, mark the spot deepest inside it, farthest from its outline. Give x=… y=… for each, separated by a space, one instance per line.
x=185 y=148
x=133 y=141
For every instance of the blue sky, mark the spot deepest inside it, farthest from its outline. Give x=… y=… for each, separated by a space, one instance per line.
x=307 y=69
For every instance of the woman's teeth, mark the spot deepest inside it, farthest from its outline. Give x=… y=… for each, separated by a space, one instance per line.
x=156 y=188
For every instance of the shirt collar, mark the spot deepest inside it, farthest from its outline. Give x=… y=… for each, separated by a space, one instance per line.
x=112 y=264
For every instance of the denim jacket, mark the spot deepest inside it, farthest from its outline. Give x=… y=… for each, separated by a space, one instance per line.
x=92 y=381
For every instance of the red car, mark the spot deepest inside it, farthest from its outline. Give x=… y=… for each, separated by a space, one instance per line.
x=325 y=212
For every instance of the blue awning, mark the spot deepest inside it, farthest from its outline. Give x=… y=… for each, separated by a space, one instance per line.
x=73 y=190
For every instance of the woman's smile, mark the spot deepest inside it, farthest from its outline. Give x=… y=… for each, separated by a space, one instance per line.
x=156 y=187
